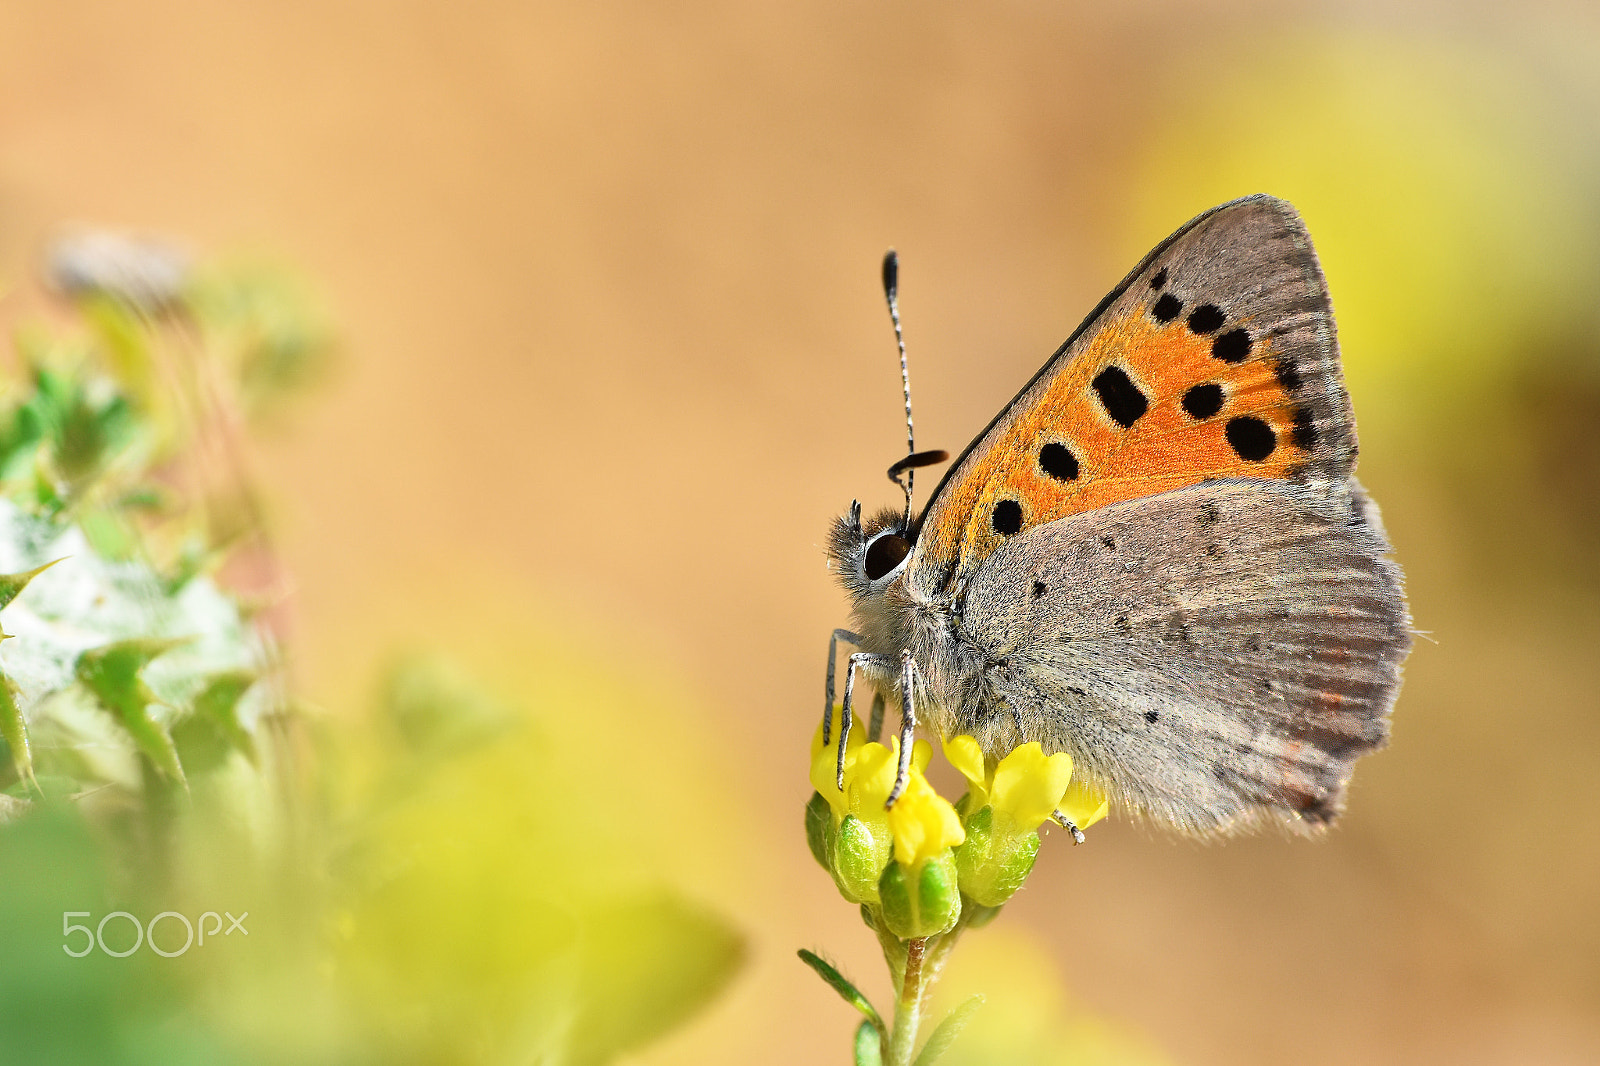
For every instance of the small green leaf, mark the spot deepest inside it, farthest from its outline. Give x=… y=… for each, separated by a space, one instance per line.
x=847 y=991
x=205 y=738
x=945 y=1035
x=14 y=729
x=111 y=672
x=11 y=585
x=869 y=1046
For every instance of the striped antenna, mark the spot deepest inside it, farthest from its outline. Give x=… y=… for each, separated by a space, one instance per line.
x=908 y=465
x=891 y=292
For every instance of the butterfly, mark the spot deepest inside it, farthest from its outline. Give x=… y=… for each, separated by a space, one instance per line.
x=1156 y=558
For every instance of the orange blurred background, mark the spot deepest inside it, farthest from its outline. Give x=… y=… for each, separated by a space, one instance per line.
x=614 y=353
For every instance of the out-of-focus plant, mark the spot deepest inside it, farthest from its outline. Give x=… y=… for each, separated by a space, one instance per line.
x=433 y=883
x=923 y=871
x=137 y=673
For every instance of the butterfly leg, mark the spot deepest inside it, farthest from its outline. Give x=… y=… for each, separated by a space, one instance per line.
x=833 y=656
x=908 y=727
x=1069 y=825
x=845 y=714
x=875 y=727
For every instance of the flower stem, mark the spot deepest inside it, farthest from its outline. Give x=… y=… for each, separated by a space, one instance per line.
x=924 y=961
x=908 y=1009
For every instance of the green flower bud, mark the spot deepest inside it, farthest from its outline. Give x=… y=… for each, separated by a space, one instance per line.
x=860 y=852
x=995 y=858
x=920 y=900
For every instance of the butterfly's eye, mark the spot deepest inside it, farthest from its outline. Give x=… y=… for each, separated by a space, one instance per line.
x=886 y=552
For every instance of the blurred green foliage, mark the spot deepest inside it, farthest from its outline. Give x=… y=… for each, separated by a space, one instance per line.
x=437 y=881
x=1028 y=1017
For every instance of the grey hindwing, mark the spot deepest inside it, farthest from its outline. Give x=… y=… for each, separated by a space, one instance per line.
x=1212 y=656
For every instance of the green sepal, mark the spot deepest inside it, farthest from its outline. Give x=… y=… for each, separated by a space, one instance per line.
x=920 y=901
x=995 y=858
x=819 y=831
x=869 y=1046
x=860 y=852
x=112 y=673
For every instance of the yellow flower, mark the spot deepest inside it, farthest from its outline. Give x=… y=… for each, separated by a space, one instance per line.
x=870 y=778
x=824 y=764
x=923 y=823
x=1027 y=785
x=1004 y=808
x=850 y=834
x=919 y=891
x=869 y=771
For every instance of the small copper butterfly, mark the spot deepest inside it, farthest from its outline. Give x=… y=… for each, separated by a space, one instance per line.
x=1156 y=557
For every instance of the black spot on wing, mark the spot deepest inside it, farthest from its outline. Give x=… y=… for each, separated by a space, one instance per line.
x=1120 y=396
x=1232 y=346
x=1160 y=279
x=1007 y=517
x=1251 y=438
x=1305 y=430
x=1058 y=461
x=1203 y=401
x=1288 y=375
x=1207 y=318
x=1167 y=308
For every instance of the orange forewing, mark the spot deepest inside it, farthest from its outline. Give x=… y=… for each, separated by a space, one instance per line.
x=1164 y=449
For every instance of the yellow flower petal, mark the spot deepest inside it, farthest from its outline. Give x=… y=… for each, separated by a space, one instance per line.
x=923 y=823
x=825 y=760
x=870 y=778
x=1028 y=785
x=1084 y=804
x=964 y=754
